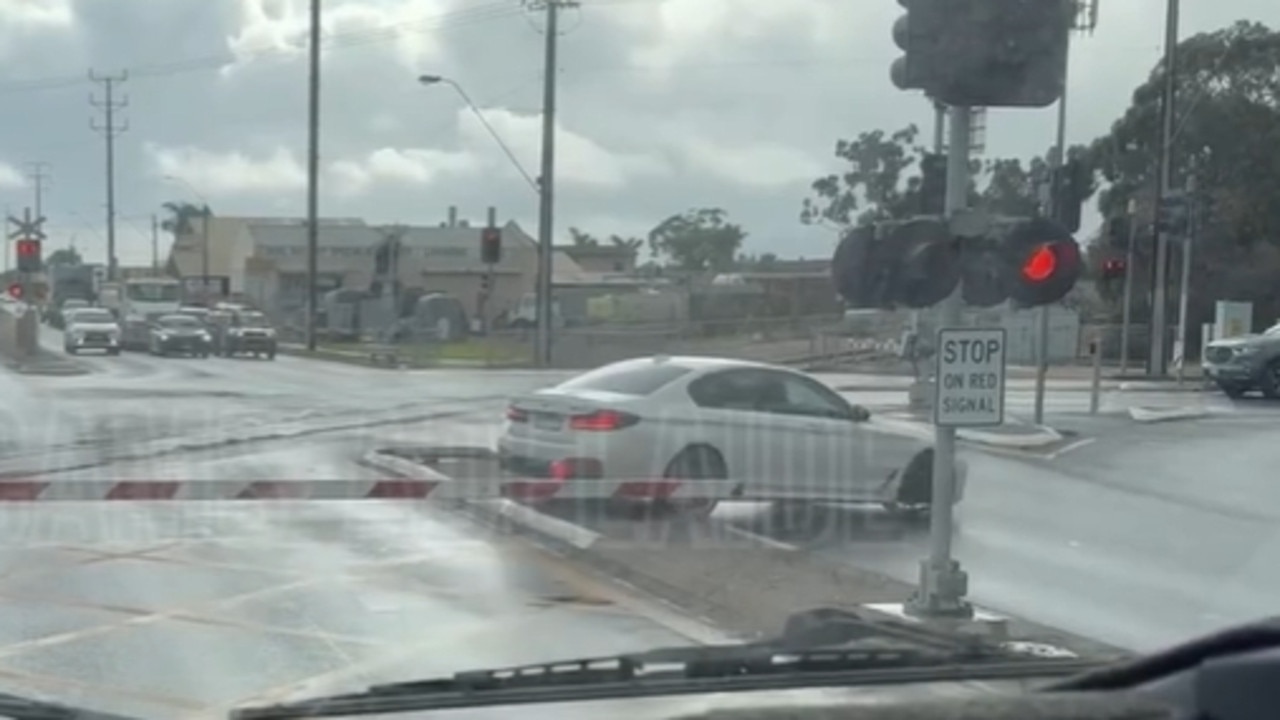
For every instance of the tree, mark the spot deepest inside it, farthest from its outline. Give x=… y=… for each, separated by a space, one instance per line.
x=882 y=182
x=1228 y=129
x=699 y=239
x=633 y=244
x=64 y=256
x=181 y=215
x=582 y=239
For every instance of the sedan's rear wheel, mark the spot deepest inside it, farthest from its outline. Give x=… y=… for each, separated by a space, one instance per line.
x=694 y=463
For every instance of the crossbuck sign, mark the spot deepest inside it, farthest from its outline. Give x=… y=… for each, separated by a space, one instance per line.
x=970 y=382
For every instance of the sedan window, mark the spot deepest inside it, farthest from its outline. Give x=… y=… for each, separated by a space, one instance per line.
x=768 y=391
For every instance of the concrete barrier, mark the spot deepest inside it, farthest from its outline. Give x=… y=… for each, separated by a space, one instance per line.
x=19 y=329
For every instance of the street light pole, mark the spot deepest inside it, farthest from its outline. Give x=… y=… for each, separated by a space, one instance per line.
x=441 y=80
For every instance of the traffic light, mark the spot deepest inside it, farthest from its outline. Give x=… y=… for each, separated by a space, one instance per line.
x=1070 y=188
x=29 y=258
x=924 y=257
x=860 y=271
x=1113 y=269
x=1041 y=259
x=1173 y=215
x=918 y=34
x=985 y=278
x=1118 y=232
x=385 y=256
x=933 y=184
x=490 y=246
x=16 y=291
x=985 y=53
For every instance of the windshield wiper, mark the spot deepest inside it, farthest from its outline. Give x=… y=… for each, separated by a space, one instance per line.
x=18 y=707
x=783 y=664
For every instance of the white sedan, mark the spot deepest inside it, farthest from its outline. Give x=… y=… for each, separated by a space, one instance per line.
x=90 y=328
x=779 y=434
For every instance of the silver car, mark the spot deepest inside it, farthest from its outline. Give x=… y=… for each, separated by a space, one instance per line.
x=91 y=329
x=775 y=433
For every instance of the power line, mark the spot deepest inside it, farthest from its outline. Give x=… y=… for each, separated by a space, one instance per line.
x=37 y=173
x=109 y=130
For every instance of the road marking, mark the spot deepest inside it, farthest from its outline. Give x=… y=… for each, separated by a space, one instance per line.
x=761 y=539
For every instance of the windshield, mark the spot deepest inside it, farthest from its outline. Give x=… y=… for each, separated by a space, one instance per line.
x=799 y=327
x=153 y=292
x=92 y=317
x=179 y=322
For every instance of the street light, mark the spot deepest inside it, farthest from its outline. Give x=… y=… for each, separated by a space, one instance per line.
x=429 y=80
x=204 y=234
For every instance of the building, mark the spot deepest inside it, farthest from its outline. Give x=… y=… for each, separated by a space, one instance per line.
x=264 y=260
x=602 y=259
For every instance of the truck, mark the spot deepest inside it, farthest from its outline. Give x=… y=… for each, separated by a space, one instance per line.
x=138 y=302
x=68 y=282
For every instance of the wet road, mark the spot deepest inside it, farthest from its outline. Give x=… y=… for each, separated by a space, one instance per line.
x=185 y=608
x=1148 y=534
x=1144 y=536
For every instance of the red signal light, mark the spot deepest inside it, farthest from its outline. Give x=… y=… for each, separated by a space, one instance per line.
x=28 y=248
x=1041 y=264
x=15 y=291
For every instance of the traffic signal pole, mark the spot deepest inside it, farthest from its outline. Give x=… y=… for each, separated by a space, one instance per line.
x=943 y=584
x=1127 y=303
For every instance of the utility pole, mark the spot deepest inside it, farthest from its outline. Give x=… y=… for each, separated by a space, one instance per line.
x=155 y=244
x=546 y=176
x=1156 y=364
x=313 y=173
x=1184 y=287
x=38 y=173
x=1126 y=314
x=110 y=130
x=1057 y=159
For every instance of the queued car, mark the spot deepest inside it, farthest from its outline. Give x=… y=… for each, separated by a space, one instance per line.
x=780 y=434
x=90 y=328
x=179 y=335
x=249 y=332
x=1248 y=362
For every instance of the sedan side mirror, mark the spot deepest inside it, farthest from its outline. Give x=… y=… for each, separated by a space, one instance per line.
x=861 y=414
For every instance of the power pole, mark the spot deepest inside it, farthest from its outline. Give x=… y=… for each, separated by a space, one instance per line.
x=110 y=130
x=38 y=173
x=546 y=176
x=1156 y=364
x=155 y=244
x=313 y=172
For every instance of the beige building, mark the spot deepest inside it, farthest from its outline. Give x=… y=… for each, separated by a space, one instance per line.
x=264 y=260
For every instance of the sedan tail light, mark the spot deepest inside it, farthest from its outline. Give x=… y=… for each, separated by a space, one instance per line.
x=515 y=414
x=602 y=421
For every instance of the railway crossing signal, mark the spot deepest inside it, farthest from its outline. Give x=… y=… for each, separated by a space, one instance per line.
x=29 y=234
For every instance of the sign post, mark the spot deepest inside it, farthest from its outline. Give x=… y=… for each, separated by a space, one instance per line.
x=971 y=375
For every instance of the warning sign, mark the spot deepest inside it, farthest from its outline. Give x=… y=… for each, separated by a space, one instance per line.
x=970 y=382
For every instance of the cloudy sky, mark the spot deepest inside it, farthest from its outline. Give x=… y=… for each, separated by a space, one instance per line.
x=663 y=105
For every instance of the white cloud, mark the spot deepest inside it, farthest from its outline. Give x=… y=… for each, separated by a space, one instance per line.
x=11 y=177
x=232 y=173
x=756 y=164
x=279 y=28
x=405 y=166
x=673 y=31
x=579 y=160
x=29 y=14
